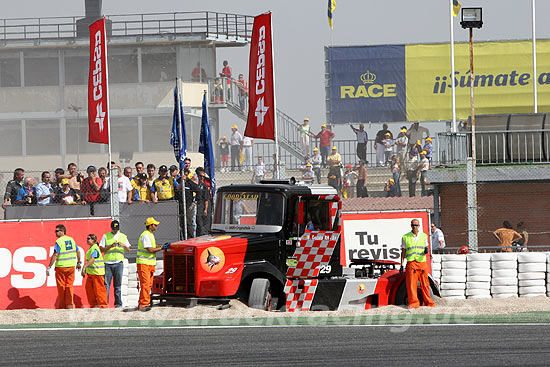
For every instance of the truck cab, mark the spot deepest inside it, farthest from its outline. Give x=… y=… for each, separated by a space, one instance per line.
x=252 y=243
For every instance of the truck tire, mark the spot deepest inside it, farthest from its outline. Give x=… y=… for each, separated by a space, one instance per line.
x=260 y=294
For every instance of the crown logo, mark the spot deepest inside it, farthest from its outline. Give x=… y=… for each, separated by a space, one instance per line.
x=368 y=77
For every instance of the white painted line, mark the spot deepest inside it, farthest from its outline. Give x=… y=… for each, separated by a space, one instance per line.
x=77 y=328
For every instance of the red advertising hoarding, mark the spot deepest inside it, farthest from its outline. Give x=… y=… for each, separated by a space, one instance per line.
x=261 y=96
x=25 y=254
x=98 y=93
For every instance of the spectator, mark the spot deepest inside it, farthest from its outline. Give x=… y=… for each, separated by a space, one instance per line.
x=259 y=171
x=308 y=174
x=187 y=164
x=506 y=235
x=224 y=152
x=247 y=149
x=56 y=184
x=423 y=167
x=521 y=244
x=380 y=146
x=124 y=187
x=140 y=168
x=334 y=159
x=103 y=192
x=325 y=136
x=236 y=142
x=128 y=172
x=416 y=149
x=227 y=73
x=438 y=240
x=362 y=139
x=13 y=187
x=75 y=178
x=396 y=173
x=198 y=75
x=203 y=199
x=66 y=195
x=44 y=190
x=151 y=169
x=91 y=186
x=334 y=177
x=362 y=191
x=416 y=132
x=349 y=180
x=428 y=148
x=191 y=188
x=391 y=189
x=304 y=136
x=217 y=93
x=175 y=176
x=412 y=173
x=401 y=143
x=27 y=194
x=316 y=161
x=243 y=93
x=163 y=187
x=388 y=148
x=142 y=193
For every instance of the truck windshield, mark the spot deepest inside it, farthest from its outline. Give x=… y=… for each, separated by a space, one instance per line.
x=249 y=211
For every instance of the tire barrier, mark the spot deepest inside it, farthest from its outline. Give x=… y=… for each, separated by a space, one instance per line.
x=496 y=275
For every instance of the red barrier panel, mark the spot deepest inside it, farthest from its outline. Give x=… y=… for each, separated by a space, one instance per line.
x=25 y=251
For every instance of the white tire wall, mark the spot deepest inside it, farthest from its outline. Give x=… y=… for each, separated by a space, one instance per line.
x=497 y=265
x=478 y=272
x=531 y=267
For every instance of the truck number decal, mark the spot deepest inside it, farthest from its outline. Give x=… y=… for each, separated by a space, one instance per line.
x=325 y=269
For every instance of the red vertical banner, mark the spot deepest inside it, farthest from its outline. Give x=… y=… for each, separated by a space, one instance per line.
x=98 y=93
x=261 y=102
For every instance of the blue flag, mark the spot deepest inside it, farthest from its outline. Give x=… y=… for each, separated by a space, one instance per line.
x=206 y=147
x=178 y=139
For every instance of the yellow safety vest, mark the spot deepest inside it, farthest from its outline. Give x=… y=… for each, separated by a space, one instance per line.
x=114 y=253
x=143 y=256
x=415 y=251
x=164 y=188
x=98 y=266
x=66 y=258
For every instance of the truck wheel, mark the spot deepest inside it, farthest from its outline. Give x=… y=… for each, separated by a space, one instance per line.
x=260 y=294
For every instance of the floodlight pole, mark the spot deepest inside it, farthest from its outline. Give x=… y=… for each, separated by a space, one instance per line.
x=471 y=164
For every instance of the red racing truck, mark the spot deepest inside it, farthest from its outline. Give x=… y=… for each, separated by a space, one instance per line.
x=279 y=245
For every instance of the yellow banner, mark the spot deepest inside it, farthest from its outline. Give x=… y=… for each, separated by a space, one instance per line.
x=503 y=79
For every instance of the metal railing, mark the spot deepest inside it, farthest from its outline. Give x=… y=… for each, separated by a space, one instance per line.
x=495 y=147
x=211 y=24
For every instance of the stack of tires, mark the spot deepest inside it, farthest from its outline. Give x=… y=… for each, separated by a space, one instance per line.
x=548 y=274
x=453 y=276
x=532 y=274
x=436 y=268
x=504 y=272
x=132 y=287
x=478 y=276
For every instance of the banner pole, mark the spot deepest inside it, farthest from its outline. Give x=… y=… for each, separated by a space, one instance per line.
x=453 y=90
x=275 y=114
x=180 y=139
x=114 y=186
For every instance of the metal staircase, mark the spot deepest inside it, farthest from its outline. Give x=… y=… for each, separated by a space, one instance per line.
x=287 y=128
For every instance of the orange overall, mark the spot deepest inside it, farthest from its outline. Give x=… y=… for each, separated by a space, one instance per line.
x=96 y=291
x=146 y=276
x=415 y=271
x=64 y=277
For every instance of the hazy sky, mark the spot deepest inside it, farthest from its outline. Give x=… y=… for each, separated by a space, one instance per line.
x=301 y=31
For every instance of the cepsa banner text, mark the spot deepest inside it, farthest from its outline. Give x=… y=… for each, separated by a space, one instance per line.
x=413 y=82
x=25 y=253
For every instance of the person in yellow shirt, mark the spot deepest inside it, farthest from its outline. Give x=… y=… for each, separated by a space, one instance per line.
x=142 y=193
x=164 y=187
x=334 y=159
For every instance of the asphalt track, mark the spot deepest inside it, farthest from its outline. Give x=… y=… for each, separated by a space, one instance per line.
x=449 y=345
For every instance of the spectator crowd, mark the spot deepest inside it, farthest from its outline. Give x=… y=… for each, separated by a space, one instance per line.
x=138 y=184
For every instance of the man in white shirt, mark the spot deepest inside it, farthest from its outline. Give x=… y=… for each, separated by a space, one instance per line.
x=124 y=187
x=236 y=142
x=423 y=167
x=259 y=171
x=44 y=190
x=247 y=149
x=412 y=173
x=113 y=245
x=316 y=160
x=362 y=139
x=438 y=240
